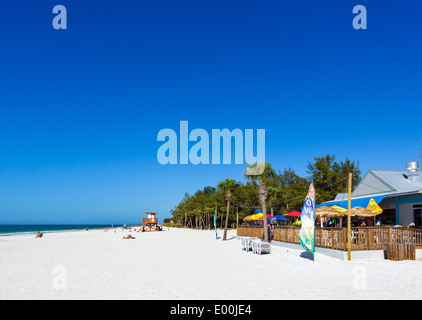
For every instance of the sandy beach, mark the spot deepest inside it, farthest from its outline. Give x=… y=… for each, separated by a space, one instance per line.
x=187 y=264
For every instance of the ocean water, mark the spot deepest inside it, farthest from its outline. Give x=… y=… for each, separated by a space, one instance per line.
x=34 y=228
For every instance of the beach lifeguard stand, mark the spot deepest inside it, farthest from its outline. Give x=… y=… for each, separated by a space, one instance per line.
x=149 y=223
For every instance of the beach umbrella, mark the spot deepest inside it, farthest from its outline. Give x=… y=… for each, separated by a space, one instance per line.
x=292 y=214
x=256 y=216
x=373 y=206
x=268 y=216
x=340 y=209
x=248 y=218
x=365 y=212
x=327 y=212
x=336 y=212
x=362 y=212
x=278 y=218
x=253 y=217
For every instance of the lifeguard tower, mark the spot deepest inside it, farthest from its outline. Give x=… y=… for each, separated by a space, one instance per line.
x=149 y=223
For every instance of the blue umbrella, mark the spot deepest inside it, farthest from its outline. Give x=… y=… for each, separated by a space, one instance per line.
x=257 y=211
x=279 y=218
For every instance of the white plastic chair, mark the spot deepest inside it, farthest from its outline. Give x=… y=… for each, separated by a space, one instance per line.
x=258 y=246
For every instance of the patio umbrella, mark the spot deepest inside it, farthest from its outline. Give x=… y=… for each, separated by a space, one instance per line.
x=248 y=218
x=256 y=216
x=268 y=216
x=278 y=218
x=327 y=212
x=292 y=214
x=340 y=209
x=362 y=212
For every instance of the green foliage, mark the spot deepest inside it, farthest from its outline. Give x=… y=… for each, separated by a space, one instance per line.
x=330 y=177
x=171 y=225
x=286 y=192
x=267 y=176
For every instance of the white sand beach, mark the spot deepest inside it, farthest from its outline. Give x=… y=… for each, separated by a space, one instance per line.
x=187 y=264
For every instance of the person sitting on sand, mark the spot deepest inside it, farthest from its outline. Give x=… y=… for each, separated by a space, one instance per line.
x=39 y=235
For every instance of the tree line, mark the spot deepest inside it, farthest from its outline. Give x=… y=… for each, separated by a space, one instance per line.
x=278 y=191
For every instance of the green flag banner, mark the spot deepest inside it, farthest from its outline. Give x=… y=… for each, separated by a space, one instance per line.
x=307 y=231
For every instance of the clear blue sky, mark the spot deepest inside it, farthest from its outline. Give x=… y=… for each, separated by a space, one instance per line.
x=81 y=108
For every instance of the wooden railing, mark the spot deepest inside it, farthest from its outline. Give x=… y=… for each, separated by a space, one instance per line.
x=149 y=220
x=362 y=238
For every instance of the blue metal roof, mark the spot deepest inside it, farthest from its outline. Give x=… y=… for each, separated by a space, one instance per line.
x=355 y=202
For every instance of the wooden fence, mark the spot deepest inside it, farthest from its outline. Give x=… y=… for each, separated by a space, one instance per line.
x=362 y=238
x=251 y=231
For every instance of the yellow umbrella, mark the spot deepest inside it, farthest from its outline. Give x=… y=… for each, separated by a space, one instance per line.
x=373 y=206
x=339 y=209
x=253 y=217
x=256 y=216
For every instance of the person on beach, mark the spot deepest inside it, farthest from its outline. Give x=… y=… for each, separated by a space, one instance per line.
x=39 y=235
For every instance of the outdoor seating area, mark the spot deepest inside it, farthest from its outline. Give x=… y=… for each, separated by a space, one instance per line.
x=255 y=244
x=362 y=238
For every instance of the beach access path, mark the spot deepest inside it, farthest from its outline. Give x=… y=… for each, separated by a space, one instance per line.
x=187 y=264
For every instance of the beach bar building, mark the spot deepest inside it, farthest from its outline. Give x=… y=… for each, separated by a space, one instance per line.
x=397 y=192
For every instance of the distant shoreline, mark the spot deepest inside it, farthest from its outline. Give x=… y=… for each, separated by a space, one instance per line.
x=23 y=229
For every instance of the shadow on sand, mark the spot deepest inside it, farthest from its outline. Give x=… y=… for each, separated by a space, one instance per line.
x=307 y=255
x=227 y=238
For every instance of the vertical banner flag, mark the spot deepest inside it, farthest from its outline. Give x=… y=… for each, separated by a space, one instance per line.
x=215 y=226
x=307 y=232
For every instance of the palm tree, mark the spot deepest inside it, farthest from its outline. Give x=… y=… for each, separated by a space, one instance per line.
x=266 y=175
x=273 y=195
x=227 y=186
x=207 y=212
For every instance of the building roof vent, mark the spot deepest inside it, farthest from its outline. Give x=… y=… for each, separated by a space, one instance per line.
x=412 y=166
x=412 y=172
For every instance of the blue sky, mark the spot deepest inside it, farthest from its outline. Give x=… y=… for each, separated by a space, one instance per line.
x=80 y=109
